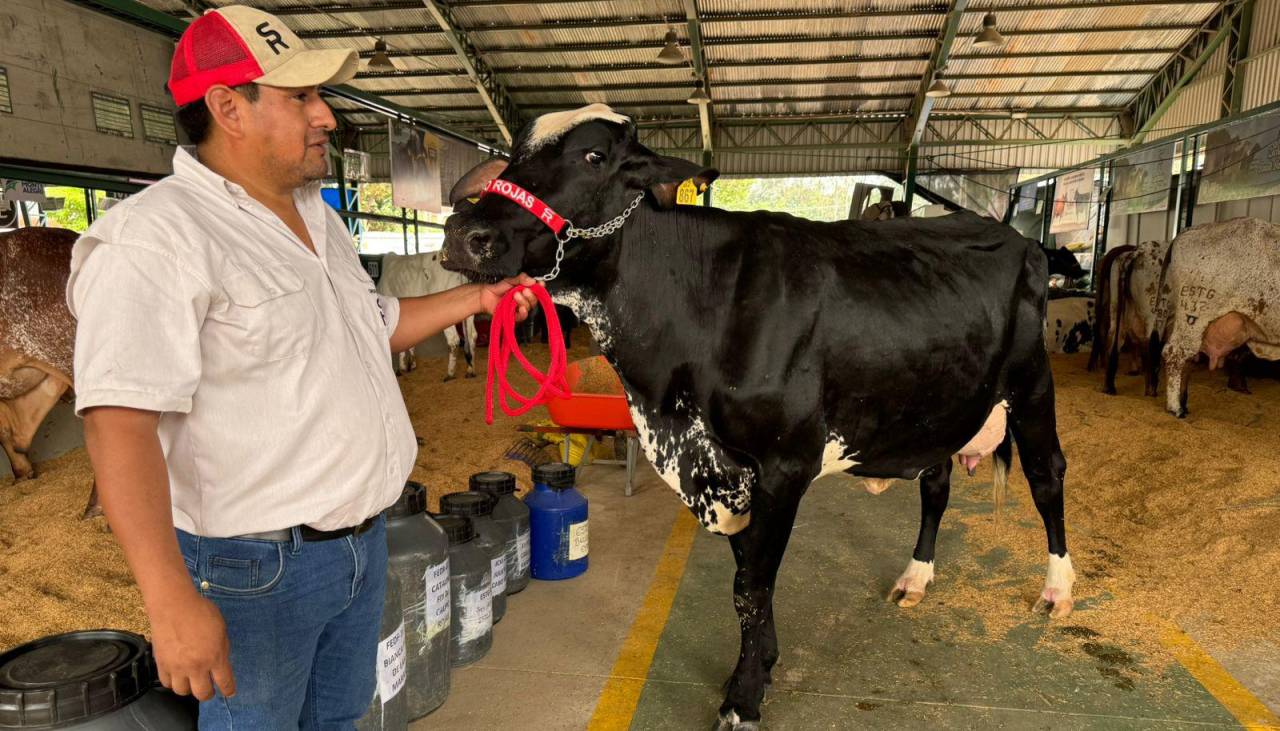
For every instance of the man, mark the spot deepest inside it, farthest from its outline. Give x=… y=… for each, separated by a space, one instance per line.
x=233 y=369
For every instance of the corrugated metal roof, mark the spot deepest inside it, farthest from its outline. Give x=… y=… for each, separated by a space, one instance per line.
x=766 y=58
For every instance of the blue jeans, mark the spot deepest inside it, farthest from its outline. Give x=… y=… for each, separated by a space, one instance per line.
x=303 y=621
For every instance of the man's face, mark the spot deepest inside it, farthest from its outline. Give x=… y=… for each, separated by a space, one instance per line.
x=289 y=131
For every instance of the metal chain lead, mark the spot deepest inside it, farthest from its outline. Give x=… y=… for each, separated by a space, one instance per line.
x=595 y=232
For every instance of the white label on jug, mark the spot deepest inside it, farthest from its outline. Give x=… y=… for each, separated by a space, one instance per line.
x=391 y=665
x=476 y=608
x=522 y=551
x=577 y=540
x=437 y=609
x=498 y=567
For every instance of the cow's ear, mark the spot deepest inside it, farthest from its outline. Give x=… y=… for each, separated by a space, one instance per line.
x=473 y=183
x=665 y=174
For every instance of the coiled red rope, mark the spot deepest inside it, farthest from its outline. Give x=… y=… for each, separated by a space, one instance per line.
x=503 y=345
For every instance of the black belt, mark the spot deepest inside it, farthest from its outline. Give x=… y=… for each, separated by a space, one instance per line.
x=285 y=535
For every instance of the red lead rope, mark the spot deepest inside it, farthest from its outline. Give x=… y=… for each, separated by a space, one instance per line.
x=502 y=345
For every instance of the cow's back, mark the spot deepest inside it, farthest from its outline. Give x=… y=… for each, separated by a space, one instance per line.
x=34 y=319
x=1232 y=266
x=415 y=275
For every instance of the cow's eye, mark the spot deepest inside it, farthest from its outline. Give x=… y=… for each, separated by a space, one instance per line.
x=595 y=158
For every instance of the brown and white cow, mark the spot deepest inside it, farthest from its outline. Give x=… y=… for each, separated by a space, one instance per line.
x=37 y=334
x=1221 y=291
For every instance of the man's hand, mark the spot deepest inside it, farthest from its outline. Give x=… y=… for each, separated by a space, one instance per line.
x=191 y=649
x=526 y=301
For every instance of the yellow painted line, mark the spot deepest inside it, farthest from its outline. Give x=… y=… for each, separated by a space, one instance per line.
x=617 y=702
x=1247 y=709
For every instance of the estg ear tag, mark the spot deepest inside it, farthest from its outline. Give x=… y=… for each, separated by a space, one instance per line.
x=687 y=194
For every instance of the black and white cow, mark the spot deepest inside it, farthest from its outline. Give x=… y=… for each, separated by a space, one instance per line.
x=760 y=351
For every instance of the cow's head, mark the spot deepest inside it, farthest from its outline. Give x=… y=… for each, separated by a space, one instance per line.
x=586 y=164
x=1062 y=261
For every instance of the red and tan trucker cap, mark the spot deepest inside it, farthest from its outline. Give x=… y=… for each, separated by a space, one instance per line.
x=236 y=44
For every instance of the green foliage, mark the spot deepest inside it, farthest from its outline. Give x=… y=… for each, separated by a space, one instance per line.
x=73 y=214
x=823 y=198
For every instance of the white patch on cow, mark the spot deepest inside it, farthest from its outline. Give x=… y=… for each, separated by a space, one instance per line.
x=663 y=449
x=1057 y=587
x=835 y=456
x=591 y=312
x=909 y=589
x=1061 y=575
x=550 y=127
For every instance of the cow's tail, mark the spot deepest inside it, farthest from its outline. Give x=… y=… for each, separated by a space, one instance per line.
x=1001 y=459
x=1102 y=306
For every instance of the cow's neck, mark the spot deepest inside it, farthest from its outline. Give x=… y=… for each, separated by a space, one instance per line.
x=643 y=291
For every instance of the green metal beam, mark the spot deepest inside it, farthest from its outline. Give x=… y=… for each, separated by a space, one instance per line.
x=503 y=110
x=922 y=103
x=1241 y=33
x=1186 y=69
x=698 y=56
x=111 y=182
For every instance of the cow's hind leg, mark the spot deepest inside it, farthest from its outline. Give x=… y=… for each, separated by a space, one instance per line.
x=935 y=490
x=758 y=550
x=1034 y=425
x=1175 y=386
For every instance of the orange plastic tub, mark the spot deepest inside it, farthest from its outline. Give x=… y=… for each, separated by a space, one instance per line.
x=604 y=408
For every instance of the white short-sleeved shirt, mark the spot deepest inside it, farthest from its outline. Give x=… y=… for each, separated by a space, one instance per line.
x=270 y=364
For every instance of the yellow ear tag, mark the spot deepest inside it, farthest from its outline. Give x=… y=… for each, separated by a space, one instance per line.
x=687 y=194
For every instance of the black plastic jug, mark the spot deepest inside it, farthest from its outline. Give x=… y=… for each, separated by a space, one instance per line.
x=100 y=680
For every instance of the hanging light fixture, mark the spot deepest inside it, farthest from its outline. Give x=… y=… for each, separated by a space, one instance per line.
x=988 y=37
x=699 y=95
x=380 y=61
x=670 y=53
x=938 y=89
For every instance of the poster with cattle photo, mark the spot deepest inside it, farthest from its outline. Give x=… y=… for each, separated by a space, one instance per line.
x=415 y=167
x=1242 y=161
x=1072 y=200
x=1142 y=181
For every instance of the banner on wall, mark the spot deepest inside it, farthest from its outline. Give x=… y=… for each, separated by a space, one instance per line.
x=1072 y=200
x=1242 y=161
x=415 y=167
x=1142 y=181
x=983 y=193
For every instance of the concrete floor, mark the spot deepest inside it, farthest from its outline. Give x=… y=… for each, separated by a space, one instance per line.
x=849 y=659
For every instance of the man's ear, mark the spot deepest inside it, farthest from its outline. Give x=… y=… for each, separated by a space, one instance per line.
x=663 y=175
x=474 y=181
x=224 y=109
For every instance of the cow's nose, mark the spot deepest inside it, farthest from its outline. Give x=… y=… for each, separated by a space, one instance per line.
x=480 y=242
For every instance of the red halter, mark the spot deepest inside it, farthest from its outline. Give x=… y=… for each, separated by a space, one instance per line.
x=502 y=329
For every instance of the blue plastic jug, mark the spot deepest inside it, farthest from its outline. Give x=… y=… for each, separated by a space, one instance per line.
x=558 y=524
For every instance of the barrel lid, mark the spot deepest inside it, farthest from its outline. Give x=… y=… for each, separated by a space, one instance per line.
x=467 y=503
x=555 y=475
x=457 y=527
x=494 y=483
x=412 y=500
x=63 y=679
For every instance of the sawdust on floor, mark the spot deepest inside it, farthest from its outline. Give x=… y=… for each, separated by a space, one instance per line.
x=1168 y=520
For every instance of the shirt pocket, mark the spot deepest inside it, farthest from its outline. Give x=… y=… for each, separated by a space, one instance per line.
x=273 y=309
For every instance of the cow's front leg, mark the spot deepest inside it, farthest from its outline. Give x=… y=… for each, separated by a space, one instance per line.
x=758 y=550
x=935 y=490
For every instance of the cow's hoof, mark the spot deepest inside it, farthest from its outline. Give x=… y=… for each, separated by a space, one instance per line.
x=1052 y=604
x=471 y=374
x=730 y=722
x=1109 y=390
x=909 y=589
x=448 y=378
